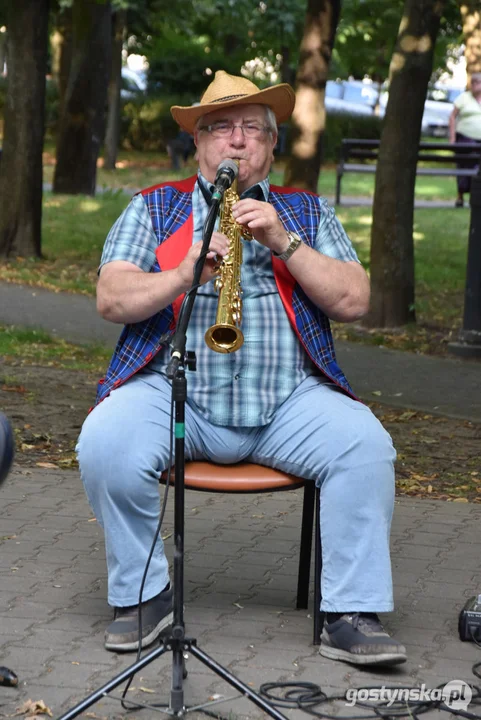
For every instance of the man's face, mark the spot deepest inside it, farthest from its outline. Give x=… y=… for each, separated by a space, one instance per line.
x=255 y=153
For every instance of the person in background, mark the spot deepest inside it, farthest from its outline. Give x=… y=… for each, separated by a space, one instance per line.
x=465 y=127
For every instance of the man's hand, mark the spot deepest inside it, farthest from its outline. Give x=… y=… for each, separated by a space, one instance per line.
x=263 y=222
x=218 y=248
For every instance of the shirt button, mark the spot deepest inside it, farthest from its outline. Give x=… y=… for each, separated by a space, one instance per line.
x=236 y=377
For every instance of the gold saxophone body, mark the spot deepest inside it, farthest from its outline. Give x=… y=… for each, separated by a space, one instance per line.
x=225 y=335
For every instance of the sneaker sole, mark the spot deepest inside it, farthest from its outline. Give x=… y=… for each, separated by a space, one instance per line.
x=147 y=640
x=386 y=659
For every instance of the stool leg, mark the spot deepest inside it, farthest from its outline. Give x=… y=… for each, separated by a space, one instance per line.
x=306 y=545
x=318 y=615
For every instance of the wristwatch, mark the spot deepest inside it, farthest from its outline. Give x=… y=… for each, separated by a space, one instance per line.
x=294 y=242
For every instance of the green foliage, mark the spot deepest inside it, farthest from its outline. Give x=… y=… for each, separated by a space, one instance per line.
x=184 y=66
x=365 y=38
x=367 y=34
x=182 y=39
x=146 y=123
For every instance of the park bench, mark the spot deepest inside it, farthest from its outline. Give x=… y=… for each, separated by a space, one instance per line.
x=360 y=156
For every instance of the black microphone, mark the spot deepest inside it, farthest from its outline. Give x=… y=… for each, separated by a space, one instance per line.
x=227 y=172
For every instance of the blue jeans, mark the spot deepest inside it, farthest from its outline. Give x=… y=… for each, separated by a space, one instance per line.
x=318 y=433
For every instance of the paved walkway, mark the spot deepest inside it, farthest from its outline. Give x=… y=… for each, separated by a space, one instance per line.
x=241 y=562
x=241 y=570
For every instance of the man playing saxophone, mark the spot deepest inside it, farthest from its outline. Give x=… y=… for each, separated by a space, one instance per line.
x=280 y=400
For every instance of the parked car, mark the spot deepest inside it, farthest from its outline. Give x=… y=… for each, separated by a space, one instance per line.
x=437 y=109
x=351 y=97
x=358 y=97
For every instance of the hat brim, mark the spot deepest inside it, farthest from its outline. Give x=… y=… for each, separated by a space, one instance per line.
x=280 y=98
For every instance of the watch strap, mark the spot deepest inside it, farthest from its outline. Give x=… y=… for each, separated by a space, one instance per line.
x=294 y=242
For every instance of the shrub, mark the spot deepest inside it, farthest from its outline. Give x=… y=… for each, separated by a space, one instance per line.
x=348 y=126
x=146 y=123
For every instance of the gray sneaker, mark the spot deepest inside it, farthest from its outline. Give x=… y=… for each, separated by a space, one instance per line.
x=359 y=638
x=122 y=634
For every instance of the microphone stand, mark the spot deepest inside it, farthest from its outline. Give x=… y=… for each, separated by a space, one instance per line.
x=176 y=641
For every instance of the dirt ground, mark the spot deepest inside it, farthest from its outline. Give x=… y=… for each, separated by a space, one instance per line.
x=438 y=457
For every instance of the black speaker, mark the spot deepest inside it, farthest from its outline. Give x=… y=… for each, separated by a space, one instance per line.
x=7 y=447
x=470 y=620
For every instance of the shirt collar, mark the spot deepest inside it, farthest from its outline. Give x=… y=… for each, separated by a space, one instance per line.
x=259 y=191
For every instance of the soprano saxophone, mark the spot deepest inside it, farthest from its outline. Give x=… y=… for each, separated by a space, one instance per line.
x=225 y=335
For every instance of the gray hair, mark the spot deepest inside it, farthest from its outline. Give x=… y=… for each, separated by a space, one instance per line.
x=270 y=119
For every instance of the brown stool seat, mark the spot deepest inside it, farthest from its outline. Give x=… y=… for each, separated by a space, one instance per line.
x=242 y=477
x=249 y=477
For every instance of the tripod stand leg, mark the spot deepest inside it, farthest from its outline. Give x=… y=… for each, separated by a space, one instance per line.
x=117 y=680
x=236 y=683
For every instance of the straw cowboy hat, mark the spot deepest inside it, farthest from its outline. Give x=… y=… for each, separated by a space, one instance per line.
x=227 y=90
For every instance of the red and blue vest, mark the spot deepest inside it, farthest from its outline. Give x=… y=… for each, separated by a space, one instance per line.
x=170 y=209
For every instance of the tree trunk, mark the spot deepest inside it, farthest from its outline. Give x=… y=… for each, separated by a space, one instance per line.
x=471 y=17
x=112 y=134
x=287 y=73
x=61 y=43
x=21 y=164
x=392 y=248
x=82 y=124
x=309 y=117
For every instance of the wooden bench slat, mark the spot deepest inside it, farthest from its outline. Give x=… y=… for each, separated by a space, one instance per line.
x=462 y=172
x=368 y=150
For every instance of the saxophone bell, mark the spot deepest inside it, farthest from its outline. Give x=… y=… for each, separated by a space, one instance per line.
x=224 y=338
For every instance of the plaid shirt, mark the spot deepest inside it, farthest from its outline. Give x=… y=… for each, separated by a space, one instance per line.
x=234 y=389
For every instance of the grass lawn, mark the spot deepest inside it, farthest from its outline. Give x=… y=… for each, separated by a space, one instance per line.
x=75 y=227
x=39 y=347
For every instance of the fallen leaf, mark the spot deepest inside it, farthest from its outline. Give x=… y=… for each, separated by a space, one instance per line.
x=238 y=605
x=32 y=708
x=407 y=415
x=376 y=392
x=46 y=465
x=463 y=500
x=14 y=388
x=146 y=690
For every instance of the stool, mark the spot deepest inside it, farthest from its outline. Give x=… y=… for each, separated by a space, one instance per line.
x=251 y=478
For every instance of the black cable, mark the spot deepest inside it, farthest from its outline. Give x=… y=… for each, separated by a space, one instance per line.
x=308 y=697
x=209 y=219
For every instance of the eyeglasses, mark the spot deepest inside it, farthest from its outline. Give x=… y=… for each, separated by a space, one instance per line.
x=226 y=129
